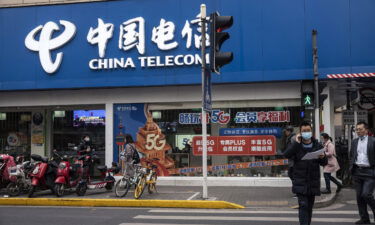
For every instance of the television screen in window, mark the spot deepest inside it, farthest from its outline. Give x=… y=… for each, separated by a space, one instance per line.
x=89 y=117
x=182 y=140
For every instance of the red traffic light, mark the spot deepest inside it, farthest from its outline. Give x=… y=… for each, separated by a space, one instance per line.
x=217 y=38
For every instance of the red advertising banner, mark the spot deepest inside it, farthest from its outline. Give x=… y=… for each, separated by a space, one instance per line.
x=236 y=145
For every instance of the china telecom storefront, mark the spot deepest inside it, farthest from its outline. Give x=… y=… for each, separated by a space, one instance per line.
x=126 y=68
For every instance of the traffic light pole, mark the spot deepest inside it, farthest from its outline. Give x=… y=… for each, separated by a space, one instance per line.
x=316 y=85
x=204 y=117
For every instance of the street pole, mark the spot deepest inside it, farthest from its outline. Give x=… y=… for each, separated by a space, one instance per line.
x=355 y=108
x=316 y=84
x=204 y=118
x=349 y=131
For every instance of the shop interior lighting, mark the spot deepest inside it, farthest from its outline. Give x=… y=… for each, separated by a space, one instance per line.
x=3 y=116
x=156 y=114
x=25 y=117
x=59 y=114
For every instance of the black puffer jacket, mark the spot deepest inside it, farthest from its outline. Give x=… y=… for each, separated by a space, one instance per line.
x=306 y=173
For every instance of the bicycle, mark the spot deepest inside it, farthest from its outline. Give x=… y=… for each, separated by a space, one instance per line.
x=151 y=175
x=148 y=178
x=123 y=185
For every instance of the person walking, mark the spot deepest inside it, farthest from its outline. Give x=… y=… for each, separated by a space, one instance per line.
x=362 y=163
x=306 y=173
x=128 y=156
x=332 y=165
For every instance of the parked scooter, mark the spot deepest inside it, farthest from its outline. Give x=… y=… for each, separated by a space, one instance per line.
x=43 y=175
x=22 y=174
x=107 y=180
x=6 y=161
x=68 y=175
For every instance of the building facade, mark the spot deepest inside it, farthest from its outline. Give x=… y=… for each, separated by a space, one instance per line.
x=109 y=68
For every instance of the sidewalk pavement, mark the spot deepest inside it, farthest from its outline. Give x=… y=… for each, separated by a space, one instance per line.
x=176 y=197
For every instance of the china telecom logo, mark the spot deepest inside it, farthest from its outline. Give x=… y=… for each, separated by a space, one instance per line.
x=46 y=43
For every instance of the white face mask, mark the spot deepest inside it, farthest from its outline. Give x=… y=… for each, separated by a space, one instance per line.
x=87 y=139
x=306 y=135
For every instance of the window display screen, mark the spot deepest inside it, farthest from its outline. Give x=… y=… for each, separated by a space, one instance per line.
x=86 y=117
x=263 y=127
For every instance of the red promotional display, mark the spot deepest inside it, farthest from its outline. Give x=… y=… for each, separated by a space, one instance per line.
x=236 y=145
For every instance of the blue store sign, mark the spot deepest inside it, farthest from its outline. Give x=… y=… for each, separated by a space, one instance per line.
x=129 y=43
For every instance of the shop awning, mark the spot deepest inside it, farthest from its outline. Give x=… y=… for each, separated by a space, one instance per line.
x=350 y=75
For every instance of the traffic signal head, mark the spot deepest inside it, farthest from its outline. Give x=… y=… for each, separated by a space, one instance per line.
x=307 y=99
x=217 y=38
x=307 y=94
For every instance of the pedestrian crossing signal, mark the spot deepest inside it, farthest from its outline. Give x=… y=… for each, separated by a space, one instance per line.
x=307 y=99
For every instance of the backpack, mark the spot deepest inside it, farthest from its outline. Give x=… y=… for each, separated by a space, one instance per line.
x=135 y=155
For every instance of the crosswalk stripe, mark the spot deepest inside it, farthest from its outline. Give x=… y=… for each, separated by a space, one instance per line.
x=193 y=196
x=159 y=224
x=225 y=218
x=347 y=212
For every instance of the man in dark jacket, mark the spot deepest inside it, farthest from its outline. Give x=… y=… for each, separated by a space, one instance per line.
x=85 y=146
x=306 y=173
x=362 y=166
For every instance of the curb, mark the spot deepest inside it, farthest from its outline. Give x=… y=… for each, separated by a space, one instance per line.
x=322 y=203
x=120 y=203
x=326 y=202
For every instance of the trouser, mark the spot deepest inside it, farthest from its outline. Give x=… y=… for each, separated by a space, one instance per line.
x=306 y=204
x=364 y=188
x=328 y=178
x=129 y=169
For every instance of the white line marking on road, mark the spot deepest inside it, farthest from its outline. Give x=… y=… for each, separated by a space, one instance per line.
x=193 y=196
x=225 y=218
x=159 y=224
x=169 y=192
x=213 y=211
x=331 y=207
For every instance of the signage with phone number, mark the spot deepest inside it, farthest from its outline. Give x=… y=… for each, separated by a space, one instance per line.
x=236 y=145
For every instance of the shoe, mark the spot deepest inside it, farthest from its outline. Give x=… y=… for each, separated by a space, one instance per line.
x=338 y=188
x=326 y=192
x=363 y=222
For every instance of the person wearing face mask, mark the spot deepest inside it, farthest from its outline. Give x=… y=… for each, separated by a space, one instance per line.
x=362 y=163
x=332 y=166
x=85 y=146
x=306 y=173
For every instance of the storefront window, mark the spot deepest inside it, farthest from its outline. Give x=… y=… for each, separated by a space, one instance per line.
x=180 y=126
x=15 y=133
x=70 y=126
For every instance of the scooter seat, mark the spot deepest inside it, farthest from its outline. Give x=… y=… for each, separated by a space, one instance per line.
x=102 y=168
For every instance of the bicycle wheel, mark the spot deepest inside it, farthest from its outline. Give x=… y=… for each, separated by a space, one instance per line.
x=122 y=187
x=152 y=183
x=140 y=187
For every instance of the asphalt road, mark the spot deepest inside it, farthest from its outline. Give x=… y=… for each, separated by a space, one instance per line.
x=344 y=211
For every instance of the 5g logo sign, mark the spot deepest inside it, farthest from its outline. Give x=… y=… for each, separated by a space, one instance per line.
x=45 y=44
x=154 y=141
